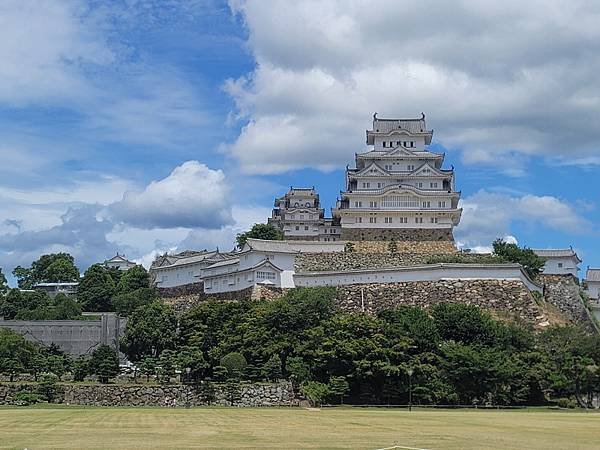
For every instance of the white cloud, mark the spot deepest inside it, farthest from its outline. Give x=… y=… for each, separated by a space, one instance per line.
x=193 y=195
x=488 y=216
x=483 y=72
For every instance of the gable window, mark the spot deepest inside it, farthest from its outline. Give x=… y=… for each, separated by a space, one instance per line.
x=410 y=167
x=412 y=144
x=433 y=185
x=397 y=143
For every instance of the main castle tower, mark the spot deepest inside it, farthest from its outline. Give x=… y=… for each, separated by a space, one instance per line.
x=398 y=189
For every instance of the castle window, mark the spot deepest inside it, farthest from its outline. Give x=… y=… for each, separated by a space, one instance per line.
x=433 y=185
x=373 y=204
x=410 y=167
x=297 y=228
x=384 y=144
x=305 y=228
x=418 y=220
x=442 y=204
x=372 y=219
x=426 y=204
x=412 y=144
x=420 y=184
x=397 y=143
x=560 y=265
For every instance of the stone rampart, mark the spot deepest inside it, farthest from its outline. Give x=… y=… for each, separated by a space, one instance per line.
x=504 y=297
x=406 y=247
x=564 y=293
x=257 y=394
x=399 y=234
x=181 y=291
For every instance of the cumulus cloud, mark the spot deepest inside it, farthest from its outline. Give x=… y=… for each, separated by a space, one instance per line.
x=488 y=216
x=193 y=195
x=484 y=72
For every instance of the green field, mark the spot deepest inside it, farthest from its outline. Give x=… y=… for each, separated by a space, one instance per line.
x=364 y=428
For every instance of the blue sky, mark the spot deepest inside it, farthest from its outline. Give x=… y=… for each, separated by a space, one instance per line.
x=144 y=127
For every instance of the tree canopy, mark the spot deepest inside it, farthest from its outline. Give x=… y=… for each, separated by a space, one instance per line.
x=531 y=262
x=3 y=283
x=260 y=231
x=52 y=268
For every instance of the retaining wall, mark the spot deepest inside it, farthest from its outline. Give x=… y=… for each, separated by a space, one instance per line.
x=399 y=234
x=258 y=394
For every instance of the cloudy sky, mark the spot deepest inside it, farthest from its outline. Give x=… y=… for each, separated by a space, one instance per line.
x=147 y=126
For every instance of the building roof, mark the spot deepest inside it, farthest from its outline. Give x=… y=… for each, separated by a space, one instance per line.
x=387 y=126
x=263 y=245
x=188 y=257
x=56 y=284
x=118 y=258
x=225 y=262
x=592 y=274
x=556 y=253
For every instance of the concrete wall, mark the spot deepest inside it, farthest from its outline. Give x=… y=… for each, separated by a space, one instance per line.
x=75 y=337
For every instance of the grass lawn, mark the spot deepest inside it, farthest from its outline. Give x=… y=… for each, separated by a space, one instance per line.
x=364 y=428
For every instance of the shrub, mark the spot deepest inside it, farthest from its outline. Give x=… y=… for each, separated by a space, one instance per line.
x=25 y=398
x=316 y=392
x=48 y=388
x=235 y=363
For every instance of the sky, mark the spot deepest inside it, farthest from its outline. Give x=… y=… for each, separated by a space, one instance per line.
x=141 y=127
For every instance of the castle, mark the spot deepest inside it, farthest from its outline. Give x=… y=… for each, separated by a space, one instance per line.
x=390 y=232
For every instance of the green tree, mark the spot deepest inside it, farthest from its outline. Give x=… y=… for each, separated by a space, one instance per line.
x=316 y=392
x=147 y=367
x=150 y=330
x=271 y=370
x=260 y=231
x=220 y=373
x=81 y=368
x=104 y=363
x=192 y=358
x=235 y=363
x=96 y=289
x=16 y=353
x=233 y=390
x=125 y=303
x=48 y=387
x=466 y=324
x=531 y=262
x=52 y=268
x=3 y=284
x=133 y=279
x=338 y=387
x=349 y=247
x=298 y=370
x=168 y=364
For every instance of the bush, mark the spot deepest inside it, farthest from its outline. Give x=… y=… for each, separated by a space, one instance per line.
x=48 y=388
x=25 y=398
x=235 y=363
x=566 y=403
x=104 y=363
x=316 y=392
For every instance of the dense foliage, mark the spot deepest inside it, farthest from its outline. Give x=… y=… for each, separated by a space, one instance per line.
x=37 y=305
x=53 y=268
x=260 y=231
x=3 y=283
x=531 y=262
x=459 y=353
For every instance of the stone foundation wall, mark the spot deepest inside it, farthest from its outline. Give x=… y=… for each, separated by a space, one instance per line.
x=564 y=293
x=399 y=234
x=425 y=247
x=181 y=291
x=258 y=394
x=320 y=262
x=504 y=297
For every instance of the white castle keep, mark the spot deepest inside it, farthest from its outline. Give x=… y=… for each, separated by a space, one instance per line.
x=399 y=188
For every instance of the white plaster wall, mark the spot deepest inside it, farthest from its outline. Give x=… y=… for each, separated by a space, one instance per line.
x=593 y=289
x=433 y=272
x=419 y=141
x=177 y=276
x=569 y=266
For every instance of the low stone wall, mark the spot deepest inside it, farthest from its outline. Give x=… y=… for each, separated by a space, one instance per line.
x=258 y=394
x=405 y=234
x=319 y=262
x=501 y=296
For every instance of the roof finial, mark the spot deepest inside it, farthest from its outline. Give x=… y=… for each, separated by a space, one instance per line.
x=375 y=117
x=422 y=116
